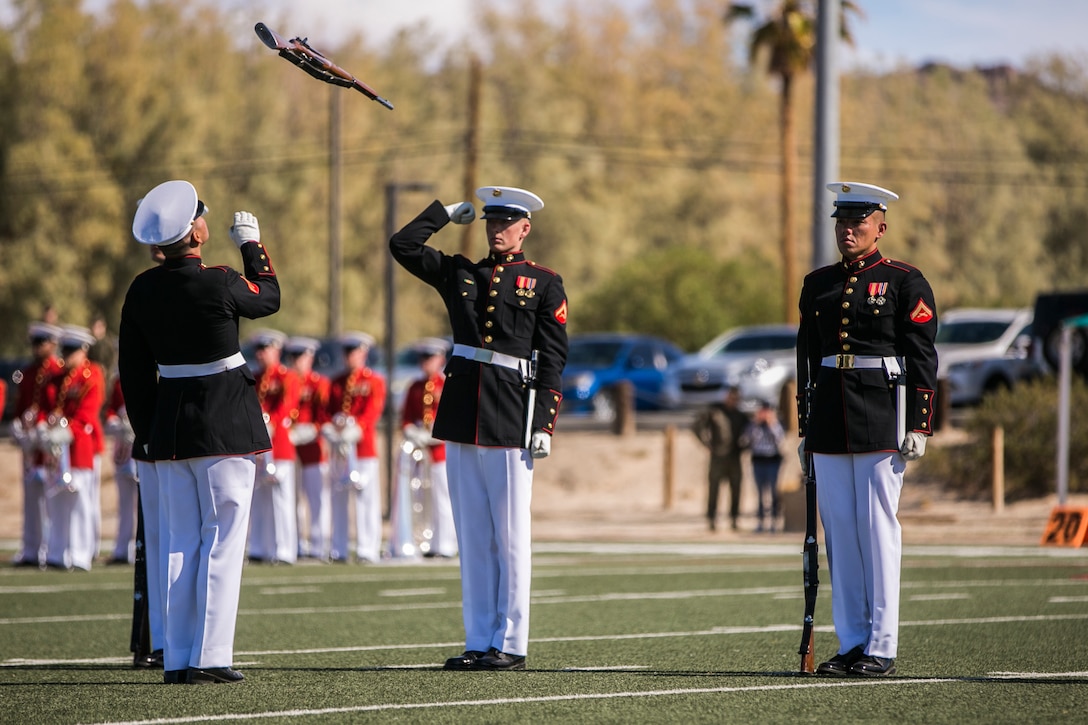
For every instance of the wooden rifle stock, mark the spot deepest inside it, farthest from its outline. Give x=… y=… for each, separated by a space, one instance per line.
x=299 y=52
x=811 y=567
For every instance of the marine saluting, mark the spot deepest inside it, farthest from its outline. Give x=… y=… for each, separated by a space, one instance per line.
x=498 y=409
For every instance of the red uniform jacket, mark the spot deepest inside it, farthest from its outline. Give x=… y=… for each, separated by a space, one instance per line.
x=360 y=393
x=313 y=401
x=278 y=392
x=37 y=394
x=421 y=406
x=81 y=393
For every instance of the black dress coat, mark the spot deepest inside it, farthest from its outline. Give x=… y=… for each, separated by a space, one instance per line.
x=183 y=312
x=866 y=307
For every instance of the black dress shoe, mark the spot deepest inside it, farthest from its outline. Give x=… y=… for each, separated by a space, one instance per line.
x=496 y=660
x=149 y=661
x=840 y=665
x=464 y=661
x=869 y=666
x=175 y=677
x=213 y=675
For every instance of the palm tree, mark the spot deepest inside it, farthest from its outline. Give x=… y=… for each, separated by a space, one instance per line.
x=789 y=36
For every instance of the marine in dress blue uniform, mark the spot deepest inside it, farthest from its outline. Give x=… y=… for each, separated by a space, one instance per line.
x=498 y=407
x=193 y=407
x=867 y=364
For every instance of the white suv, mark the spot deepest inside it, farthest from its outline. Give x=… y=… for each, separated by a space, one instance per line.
x=759 y=360
x=983 y=350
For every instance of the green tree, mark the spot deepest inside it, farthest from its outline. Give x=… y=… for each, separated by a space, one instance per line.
x=695 y=297
x=788 y=37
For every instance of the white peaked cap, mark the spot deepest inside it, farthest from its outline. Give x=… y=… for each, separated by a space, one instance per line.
x=507 y=202
x=854 y=200
x=167 y=213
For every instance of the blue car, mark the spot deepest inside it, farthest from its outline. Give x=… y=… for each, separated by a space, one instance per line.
x=597 y=362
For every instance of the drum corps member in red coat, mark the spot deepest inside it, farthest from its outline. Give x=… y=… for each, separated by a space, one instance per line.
x=356 y=401
x=498 y=408
x=81 y=392
x=273 y=533
x=417 y=423
x=34 y=400
x=313 y=400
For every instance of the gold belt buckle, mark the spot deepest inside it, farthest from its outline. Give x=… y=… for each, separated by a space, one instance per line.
x=844 y=361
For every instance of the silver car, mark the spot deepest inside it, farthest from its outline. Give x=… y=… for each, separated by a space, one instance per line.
x=760 y=360
x=982 y=350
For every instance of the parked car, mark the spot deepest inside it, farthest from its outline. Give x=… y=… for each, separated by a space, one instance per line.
x=759 y=359
x=983 y=350
x=597 y=362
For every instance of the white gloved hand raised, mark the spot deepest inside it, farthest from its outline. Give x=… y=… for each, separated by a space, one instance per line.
x=461 y=212
x=541 y=445
x=914 y=446
x=245 y=228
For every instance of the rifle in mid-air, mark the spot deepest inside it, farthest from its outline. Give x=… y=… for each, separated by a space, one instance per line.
x=301 y=53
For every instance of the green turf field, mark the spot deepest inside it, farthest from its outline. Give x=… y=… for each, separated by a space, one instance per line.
x=620 y=634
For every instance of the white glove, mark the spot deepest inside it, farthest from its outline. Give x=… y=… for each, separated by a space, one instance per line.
x=802 y=457
x=914 y=446
x=416 y=435
x=461 y=213
x=541 y=445
x=245 y=228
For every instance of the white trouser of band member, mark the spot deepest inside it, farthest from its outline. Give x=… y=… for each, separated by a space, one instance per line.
x=199 y=370
x=490 y=357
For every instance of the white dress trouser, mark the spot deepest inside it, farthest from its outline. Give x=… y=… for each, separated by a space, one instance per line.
x=124 y=476
x=273 y=534
x=35 y=520
x=491 y=489
x=368 y=511
x=315 y=487
x=71 y=540
x=858 y=496
x=156 y=549
x=445 y=533
x=207 y=503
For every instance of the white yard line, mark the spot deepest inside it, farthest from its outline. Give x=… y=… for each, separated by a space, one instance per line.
x=711 y=632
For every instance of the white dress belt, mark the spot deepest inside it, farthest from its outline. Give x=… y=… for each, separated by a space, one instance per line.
x=490 y=357
x=846 y=361
x=199 y=370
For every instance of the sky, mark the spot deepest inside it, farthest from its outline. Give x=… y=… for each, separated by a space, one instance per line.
x=964 y=33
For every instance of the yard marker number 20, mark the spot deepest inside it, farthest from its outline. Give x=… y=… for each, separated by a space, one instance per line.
x=1067 y=526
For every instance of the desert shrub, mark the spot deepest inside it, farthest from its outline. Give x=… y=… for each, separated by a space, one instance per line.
x=1029 y=415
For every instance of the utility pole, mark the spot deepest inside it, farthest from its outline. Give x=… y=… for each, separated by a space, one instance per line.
x=826 y=169
x=336 y=252
x=472 y=147
x=392 y=191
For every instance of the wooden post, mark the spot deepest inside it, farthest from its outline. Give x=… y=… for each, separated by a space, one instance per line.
x=624 y=397
x=941 y=416
x=998 y=473
x=787 y=406
x=670 y=452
